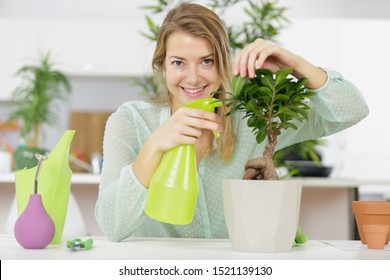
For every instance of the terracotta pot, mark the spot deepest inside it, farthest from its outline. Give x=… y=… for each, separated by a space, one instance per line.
x=376 y=235
x=371 y=212
x=262 y=216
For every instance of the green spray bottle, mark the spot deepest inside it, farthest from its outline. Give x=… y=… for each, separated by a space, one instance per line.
x=173 y=189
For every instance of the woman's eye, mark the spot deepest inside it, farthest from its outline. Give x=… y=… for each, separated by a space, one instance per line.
x=177 y=63
x=208 y=61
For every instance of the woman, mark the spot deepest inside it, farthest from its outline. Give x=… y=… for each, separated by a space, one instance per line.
x=192 y=60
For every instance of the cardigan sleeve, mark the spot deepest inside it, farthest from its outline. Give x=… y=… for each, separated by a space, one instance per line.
x=336 y=106
x=121 y=199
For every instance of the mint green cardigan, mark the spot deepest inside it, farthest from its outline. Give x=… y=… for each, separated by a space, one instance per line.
x=120 y=206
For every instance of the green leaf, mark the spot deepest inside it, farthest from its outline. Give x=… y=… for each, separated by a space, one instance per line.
x=281 y=97
x=268 y=82
x=260 y=137
x=290 y=125
x=264 y=72
x=281 y=75
x=314 y=156
x=251 y=89
x=237 y=84
x=301 y=111
x=265 y=90
x=251 y=106
x=288 y=111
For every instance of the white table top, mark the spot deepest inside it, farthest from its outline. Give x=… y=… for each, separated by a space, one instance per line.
x=86 y=178
x=185 y=249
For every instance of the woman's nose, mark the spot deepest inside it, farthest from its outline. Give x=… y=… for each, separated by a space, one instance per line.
x=193 y=75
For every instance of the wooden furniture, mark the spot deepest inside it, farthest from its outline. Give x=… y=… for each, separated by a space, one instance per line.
x=89 y=135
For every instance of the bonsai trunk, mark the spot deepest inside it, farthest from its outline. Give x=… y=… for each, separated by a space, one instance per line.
x=262 y=168
x=269 y=171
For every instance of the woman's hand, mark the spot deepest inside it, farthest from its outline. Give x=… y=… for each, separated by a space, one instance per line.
x=185 y=127
x=264 y=54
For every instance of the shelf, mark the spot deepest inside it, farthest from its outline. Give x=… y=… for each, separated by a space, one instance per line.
x=77 y=178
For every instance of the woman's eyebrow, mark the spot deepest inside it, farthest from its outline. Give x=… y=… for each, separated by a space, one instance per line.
x=176 y=57
x=182 y=58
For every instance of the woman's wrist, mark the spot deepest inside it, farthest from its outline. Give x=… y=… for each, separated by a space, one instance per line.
x=316 y=77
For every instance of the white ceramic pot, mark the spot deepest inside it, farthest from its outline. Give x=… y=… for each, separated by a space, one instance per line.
x=262 y=216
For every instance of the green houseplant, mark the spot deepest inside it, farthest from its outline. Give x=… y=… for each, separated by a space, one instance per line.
x=41 y=85
x=270 y=103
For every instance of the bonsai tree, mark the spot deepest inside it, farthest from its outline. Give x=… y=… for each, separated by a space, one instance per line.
x=33 y=99
x=271 y=103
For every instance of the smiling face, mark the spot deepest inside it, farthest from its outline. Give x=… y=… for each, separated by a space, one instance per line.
x=190 y=69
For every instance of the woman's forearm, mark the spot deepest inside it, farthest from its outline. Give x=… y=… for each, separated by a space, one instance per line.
x=316 y=77
x=146 y=162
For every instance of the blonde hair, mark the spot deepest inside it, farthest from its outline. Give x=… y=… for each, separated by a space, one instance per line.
x=199 y=21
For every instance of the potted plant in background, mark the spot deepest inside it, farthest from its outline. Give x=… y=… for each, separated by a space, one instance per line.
x=41 y=85
x=302 y=159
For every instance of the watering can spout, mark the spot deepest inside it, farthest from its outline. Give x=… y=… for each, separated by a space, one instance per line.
x=54 y=181
x=60 y=152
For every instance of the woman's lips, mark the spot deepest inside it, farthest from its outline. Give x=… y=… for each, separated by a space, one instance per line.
x=193 y=92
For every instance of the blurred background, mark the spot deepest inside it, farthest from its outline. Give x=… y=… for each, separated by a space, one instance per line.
x=98 y=45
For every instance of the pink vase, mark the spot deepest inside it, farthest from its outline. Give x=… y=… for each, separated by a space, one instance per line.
x=34 y=229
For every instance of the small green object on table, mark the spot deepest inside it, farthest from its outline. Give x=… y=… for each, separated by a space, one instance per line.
x=77 y=244
x=300 y=238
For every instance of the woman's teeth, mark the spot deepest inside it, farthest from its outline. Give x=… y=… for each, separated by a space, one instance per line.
x=193 y=91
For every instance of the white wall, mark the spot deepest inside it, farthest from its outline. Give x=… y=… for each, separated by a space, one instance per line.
x=129 y=8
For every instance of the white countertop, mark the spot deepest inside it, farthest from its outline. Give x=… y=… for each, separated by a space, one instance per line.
x=185 y=249
x=86 y=178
